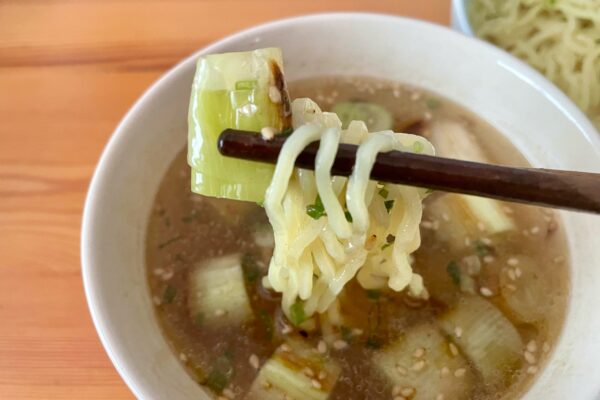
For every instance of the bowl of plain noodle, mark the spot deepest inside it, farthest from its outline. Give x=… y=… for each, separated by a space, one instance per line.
x=560 y=38
x=529 y=114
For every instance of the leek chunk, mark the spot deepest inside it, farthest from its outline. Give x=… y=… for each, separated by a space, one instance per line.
x=217 y=292
x=244 y=91
x=421 y=359
x=486 y=337
x=296 y=372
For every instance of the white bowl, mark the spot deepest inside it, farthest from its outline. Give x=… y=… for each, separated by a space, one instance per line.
x=520 y=103
x=459 y=18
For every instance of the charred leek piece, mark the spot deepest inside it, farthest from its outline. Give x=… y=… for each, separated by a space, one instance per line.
x=296 y=372
x=234 y=90
x=422 y=363
x=486 y=337
x=217 y=294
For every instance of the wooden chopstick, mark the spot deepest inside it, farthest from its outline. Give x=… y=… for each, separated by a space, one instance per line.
x=579 y=191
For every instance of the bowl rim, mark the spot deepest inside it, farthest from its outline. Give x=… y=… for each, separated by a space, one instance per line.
x=92 y=204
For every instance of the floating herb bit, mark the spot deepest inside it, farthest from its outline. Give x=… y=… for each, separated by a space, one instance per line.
x=388 y=204
x=169 y=294
x=373 y=342
x=251 y=269
x=383 y=192
x=297 y=315
x=346 y=333
x=316 y=210
x=373 y=294
x=168 y=242
x=432 y=103
x=418 y=147
x=348 y=216
x=481 y=249
x=454 y=271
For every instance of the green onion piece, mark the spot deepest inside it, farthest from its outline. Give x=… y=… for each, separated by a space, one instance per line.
x=316 y=210
x=250 y=268
x=418 y=147
x=432 y=103
x=454 y=272
x=348 y=216
x=373 y=342
x=481 y=249
x=297 y=315
x=169 y=294
x=383 y=192
x=388 y=204
x=373 y=294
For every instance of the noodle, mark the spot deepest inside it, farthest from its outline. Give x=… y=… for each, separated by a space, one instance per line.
x=560 y=38
x=366 y=229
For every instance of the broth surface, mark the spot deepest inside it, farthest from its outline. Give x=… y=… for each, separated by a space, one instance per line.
x=186 y=229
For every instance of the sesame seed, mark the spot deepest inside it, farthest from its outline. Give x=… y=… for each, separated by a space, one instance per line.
x=340 y=344
x=445 y=217
x=254 y=361
x=286 y=329
x=532 y=346
x=228 y=393
x=535 y=230
x=513 y=261
x=322 y=375
x=459 y=373
x=508 y=210
x=158 y=271
x=427 y=224
x=267 y=133
x=486 y=241
x=407 y=391
x=458 y=332
x=156 y=300
x=183 y=357
x=419 y=365
x=274 y=94
x=486 y=292
x=420 y=352
x=445 y=371
x=285 y=347
x=529 y=357
x=511 y=275
x=396 y=390
x=308 y=372
x=545 y=347
x=322 y=347
x=511 y=287
x=427 y=115
x=357 y=332
x=518 y=272
x=488 y=259
x=439 y=397
x=415 y=96
x=316 y=384
x=532 y=370
x=401 y=370
x=220 y=312
x=558 y=260
x=453 y=349
x=481 y=226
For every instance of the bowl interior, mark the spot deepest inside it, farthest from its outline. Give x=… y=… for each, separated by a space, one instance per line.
x=534 y=115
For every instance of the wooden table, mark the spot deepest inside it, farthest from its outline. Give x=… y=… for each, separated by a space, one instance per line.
x=69 y=70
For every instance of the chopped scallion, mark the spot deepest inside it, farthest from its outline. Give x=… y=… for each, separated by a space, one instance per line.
x=454 y=271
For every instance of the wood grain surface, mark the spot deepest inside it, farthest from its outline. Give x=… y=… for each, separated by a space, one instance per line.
x=69 y=70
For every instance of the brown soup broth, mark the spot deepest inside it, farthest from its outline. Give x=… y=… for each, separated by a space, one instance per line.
x=186 y=229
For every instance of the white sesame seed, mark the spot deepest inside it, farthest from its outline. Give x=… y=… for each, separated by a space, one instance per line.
x=420 y=352
x=316 y=384
x=559 y=259
x=427 y=224
x=459 y=373
x=167 y=275
x=322 y=347
x=228 y=393
x=156 y=300
x=445 y=217
x=439 y=397
x=453 y=349
x=532 y=346
x=158 y=271
x=545 y=347
x=340 y=344
x=267 y=133
x=513 y=261
x=445 y=371
x=481 y=226
x=518 y=272
x=529 y=357
x=511 y=287
x=322 y=375
x=183 y=357
x=419 y=365
x=220 y=312
x=357 y=332
x=407 y=391
x=396 y=93
x=286 y=329
x=285 y=347
x=396 y=390
x=458 y=332
x=401 y=370
x=308 y=372
x=488 y=259
x=486 y=292
x=532 y=369
x=415 y=96
x=486 y=241
x=535 y=230
x=511 y=274
x=254 y=361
